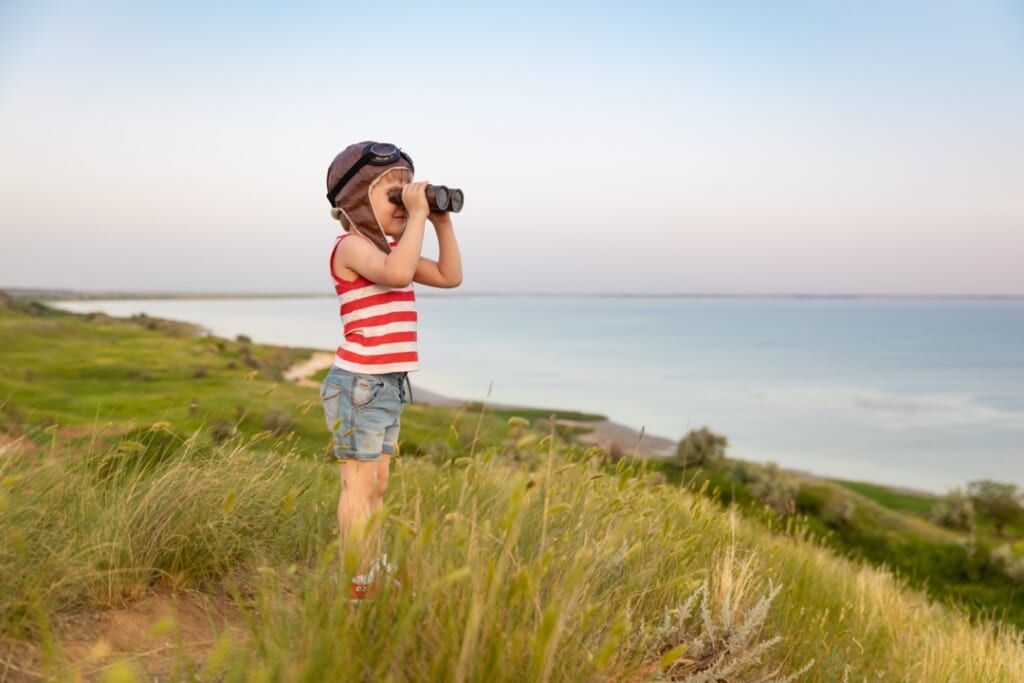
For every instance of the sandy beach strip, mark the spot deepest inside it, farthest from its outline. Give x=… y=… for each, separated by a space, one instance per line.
x=300 y=373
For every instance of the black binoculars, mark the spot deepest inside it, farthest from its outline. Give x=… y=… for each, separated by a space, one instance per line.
x=439 y=198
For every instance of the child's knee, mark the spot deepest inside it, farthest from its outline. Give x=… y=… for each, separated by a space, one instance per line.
x=359 y=483
x=382 y=485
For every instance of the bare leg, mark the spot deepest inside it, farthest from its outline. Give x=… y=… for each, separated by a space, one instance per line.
x=377 y=500
x=355 y=505
x=381 y=483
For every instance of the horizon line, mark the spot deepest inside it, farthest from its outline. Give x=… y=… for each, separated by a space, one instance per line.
x=61 y=293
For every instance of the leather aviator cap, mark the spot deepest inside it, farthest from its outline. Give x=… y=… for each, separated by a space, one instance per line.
x=353 y=198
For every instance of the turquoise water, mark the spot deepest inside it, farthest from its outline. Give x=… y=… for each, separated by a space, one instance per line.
x=918 y=392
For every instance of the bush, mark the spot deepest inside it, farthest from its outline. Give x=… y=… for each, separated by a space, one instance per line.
x=1009 y=563
x=997 y=501
x=814 y=500
x=839 y=513
x=776 y=489
x=222 y=430
x=741 y=471
x=718 y=632
x=246 y=357
x=700 y=448
x=277 y=421
x=955 y=511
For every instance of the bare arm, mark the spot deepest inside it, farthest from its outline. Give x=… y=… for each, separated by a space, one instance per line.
x=398 y=268
x=446 y=271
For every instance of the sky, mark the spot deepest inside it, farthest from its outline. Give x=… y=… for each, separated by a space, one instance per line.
x=794 y=147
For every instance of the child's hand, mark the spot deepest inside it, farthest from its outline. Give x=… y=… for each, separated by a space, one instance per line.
x=440 y=219
x=414 y=198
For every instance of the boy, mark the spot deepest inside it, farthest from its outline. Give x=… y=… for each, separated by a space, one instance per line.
x=374 y=264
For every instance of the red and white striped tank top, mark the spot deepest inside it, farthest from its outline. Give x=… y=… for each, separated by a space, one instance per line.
x=379 y=325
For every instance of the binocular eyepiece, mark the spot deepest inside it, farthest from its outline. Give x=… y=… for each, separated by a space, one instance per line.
x=439 y=198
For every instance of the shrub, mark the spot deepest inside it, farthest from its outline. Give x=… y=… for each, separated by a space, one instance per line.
x=955 y=511
x=741 y=471
x=277 y=421
x=250 y=360
x=814 y=500
x=176 y=329
x=997 y=501
x=35 y=309
x=717 y=634
x=222 y=430
x=839 y=512
x=701 y=448
x=776 y=489
x=1009 y=562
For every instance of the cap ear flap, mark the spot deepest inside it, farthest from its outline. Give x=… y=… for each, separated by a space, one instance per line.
x=339 y=215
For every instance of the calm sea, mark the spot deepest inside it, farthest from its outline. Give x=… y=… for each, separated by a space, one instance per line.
x=925 y=393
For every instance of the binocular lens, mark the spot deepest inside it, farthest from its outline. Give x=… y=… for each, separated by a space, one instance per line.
x=455 y=197
x=440 y=199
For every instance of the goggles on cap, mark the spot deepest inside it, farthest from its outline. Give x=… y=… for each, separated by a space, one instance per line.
x=375 y=154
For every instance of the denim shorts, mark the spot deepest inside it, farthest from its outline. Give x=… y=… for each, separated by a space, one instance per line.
x=362 y=412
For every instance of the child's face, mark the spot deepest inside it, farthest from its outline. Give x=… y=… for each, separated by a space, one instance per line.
x=390 y=216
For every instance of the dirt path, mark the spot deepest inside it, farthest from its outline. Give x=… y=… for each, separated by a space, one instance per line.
x=300 y=373
x=148 y=633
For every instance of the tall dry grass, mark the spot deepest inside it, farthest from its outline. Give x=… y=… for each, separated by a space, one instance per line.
x=561 y=572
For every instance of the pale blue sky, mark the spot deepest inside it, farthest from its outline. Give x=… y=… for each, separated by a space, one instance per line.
x=732 y=147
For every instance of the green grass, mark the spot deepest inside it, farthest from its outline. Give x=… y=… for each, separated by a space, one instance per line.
x=919 y=504
x=57 y=370
x=95 y=374
x=539 y=413
x=522 y=557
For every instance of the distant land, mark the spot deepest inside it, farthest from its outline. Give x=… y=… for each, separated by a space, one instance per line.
x=86 y=295
x=47 y=294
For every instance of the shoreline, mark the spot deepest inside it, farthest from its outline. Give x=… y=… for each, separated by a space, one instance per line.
x=612 y=436
x=609 y=435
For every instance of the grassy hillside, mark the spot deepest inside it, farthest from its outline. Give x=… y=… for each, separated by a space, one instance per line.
x=78 y=379
x=126 y=472
x=977 y=571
